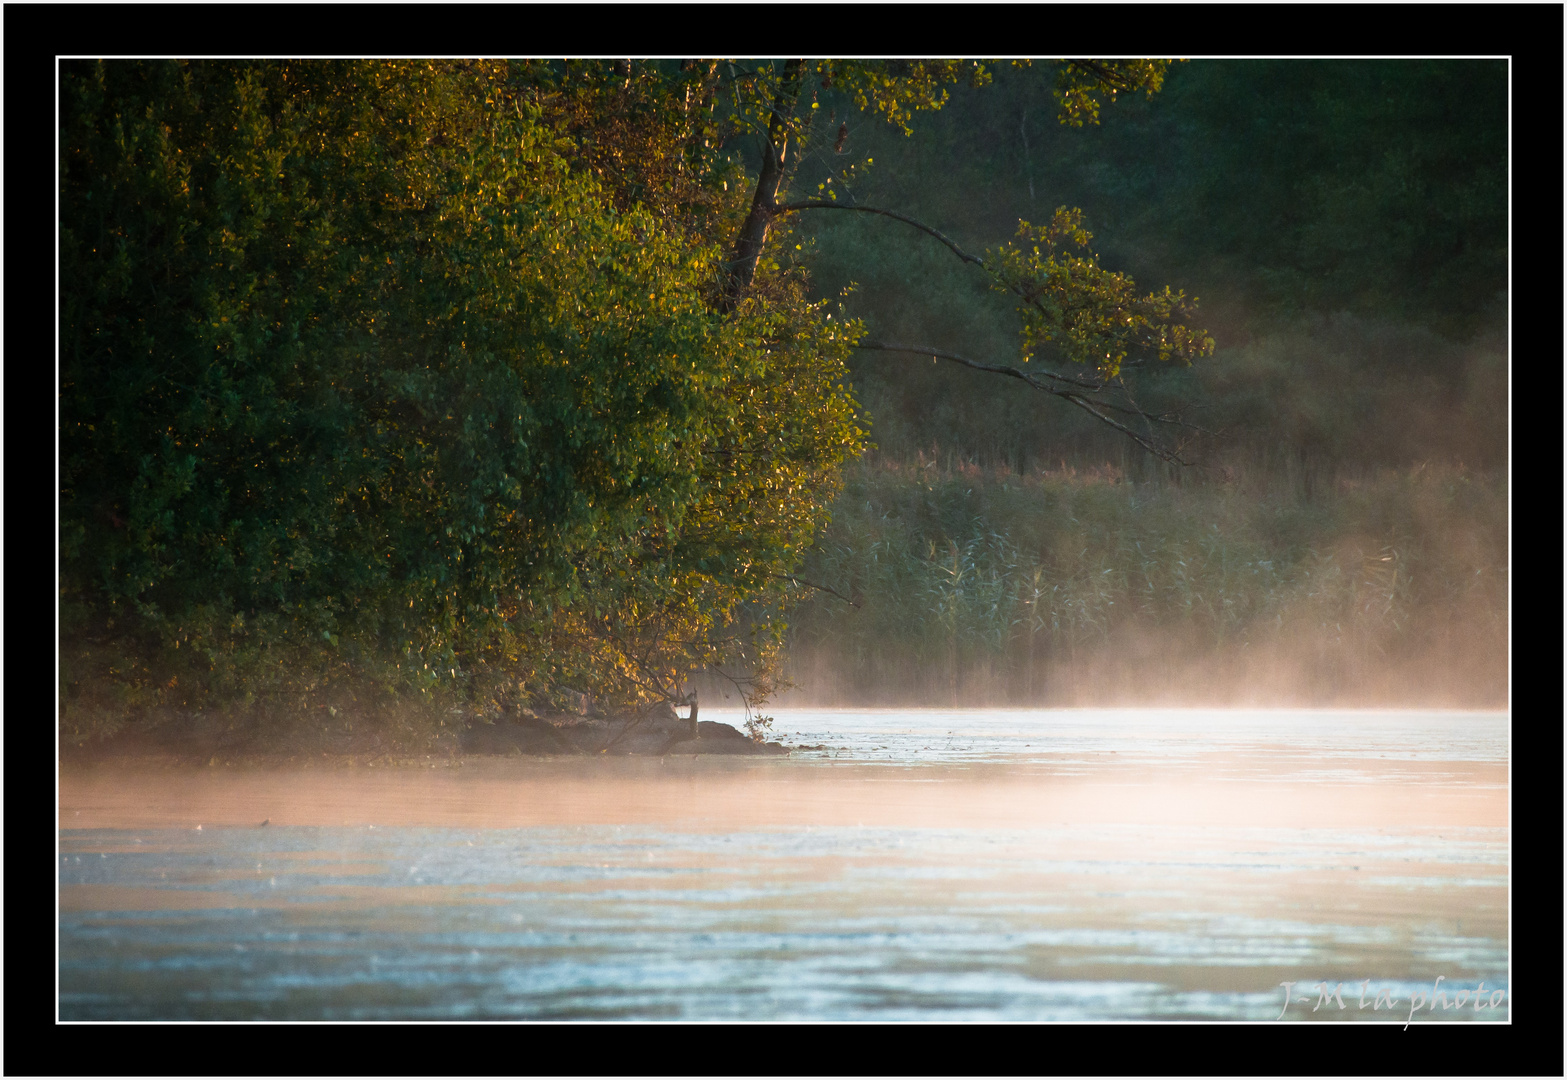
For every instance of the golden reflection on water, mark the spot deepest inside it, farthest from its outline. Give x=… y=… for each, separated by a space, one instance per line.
x=731 y=793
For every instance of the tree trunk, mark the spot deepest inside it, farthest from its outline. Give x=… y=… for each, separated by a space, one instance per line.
x=753 y=234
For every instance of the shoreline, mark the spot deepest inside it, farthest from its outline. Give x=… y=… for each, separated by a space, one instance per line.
x=528 y=736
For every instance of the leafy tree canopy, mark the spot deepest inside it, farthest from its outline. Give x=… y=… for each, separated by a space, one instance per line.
x=476 y=380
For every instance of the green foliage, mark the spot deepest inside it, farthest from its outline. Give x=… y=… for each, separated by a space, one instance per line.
x=1092 y=314
x=1081 y=83
x=365 y=388
x=896 y=89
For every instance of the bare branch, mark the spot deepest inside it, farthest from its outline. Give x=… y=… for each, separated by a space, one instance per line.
x=813 y=585
x=1107 y=76
x=1160 y=452
x=999 y=369
x=1067 y=393
x=819 y=204
x=740 y=686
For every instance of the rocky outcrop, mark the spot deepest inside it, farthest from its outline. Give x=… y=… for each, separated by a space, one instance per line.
x=720 y=739
x=653 y=732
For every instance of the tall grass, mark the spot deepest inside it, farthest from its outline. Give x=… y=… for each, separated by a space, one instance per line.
x=1276 y=585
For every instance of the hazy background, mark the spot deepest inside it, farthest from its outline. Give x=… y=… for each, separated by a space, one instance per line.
x=1343 y=541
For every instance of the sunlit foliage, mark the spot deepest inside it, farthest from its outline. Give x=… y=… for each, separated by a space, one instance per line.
x=1081 y=84
x=479 y=382
x=365 y=387
x=1091 y=314
x=896 y=89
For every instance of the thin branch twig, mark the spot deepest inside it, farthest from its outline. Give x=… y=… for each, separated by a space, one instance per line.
x=999 y=369
x=1066 y=394
x=813 y=585
x=821 y=204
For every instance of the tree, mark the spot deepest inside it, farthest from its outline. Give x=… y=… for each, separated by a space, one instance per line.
x=474 y=381
x=1068 y=303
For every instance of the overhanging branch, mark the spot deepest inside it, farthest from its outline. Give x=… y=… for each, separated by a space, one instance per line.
x=1031 y=297
x=1072 y=390
x=822 y=588
x=821 y=204
x=999 y=369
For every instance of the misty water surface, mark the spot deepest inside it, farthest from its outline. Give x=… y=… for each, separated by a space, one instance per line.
x=997 y=865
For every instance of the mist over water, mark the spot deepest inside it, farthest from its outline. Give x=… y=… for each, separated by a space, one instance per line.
x=921 y=864
x=1106 y=824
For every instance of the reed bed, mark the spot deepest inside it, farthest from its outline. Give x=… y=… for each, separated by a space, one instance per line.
x=1267 y=586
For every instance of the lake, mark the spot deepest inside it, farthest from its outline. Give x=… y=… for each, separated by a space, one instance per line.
x=997 y=865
